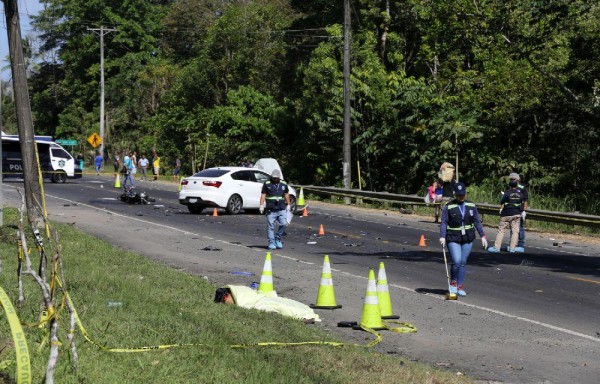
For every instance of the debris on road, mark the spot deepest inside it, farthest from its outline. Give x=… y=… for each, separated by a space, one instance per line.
x=211 y=248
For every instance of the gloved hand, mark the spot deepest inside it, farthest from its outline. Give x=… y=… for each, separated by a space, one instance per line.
x=443 y=241
x=484 y=242
x=523 y=214
x=288 y=207
x=262 y=209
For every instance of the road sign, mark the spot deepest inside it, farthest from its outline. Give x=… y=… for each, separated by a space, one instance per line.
x=94 y=140
x=66 y=142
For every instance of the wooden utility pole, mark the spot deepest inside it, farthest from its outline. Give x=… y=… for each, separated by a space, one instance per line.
x=31 y=176
x=101 y=32
x=347 y=133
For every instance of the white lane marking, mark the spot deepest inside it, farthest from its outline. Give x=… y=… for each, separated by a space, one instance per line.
x=108 y=198
x=494 y=311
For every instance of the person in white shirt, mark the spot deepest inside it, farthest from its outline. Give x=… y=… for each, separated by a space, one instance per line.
x=143 y=165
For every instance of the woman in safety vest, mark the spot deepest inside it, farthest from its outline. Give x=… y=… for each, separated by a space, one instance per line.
x=459 y=221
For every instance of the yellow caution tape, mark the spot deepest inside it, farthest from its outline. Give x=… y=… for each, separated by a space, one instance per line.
x=405 y=327
x=89 y=339
x=21 y=349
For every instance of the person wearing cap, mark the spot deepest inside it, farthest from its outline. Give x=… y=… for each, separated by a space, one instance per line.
x=275 y=201
x=460 y=219
x=510 y=215
x=521 y=243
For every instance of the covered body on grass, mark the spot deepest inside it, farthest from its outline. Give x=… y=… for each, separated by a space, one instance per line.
x=246 y=297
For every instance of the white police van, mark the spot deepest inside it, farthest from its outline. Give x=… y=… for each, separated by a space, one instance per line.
x=55 y=162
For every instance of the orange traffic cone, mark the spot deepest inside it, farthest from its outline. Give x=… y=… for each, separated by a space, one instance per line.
x=215 y=213
x=305 y=212
x=422 y=241
x=321 y=231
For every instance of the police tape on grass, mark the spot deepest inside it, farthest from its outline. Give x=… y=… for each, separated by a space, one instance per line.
x=407 y=328
x=21 y=350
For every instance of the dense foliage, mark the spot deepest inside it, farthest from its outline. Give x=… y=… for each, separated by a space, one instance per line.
x=511 y=85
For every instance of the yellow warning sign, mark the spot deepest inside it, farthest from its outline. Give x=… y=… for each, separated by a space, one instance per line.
x=94 y=139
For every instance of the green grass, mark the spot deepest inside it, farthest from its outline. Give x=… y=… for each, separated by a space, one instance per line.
x=161 y=305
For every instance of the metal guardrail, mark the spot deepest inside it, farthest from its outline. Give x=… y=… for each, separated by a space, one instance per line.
x=484 y=208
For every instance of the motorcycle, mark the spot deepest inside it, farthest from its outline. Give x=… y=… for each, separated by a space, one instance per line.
x=131 y=197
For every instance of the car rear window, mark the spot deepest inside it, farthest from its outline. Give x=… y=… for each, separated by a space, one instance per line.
x=211 y=173
x=242 y=175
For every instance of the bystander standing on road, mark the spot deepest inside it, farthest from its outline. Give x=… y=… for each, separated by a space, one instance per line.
x=143 y=166
x=275 y=200
x=117 y=163
x=459 y=221
x=134 y=161
x=155 y=164
x=128 y=167
x=80 y=160
x=98 y=162
x=177 y=169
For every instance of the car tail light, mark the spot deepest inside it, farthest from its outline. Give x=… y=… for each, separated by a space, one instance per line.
x=184 y=182
x=215 y=184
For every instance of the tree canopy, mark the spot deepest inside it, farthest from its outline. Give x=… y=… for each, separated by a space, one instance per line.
x=508 y=85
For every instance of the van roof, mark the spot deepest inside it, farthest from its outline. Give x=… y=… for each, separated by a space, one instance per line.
x=38 y=138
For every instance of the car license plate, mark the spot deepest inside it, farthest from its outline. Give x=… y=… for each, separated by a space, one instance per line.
x=193 y=200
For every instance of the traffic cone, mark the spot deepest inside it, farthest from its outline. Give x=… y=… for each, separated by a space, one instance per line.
x=321 y=231
x=300 y=201
x=266 y=279
x=383 y=295
x=305 y=212
x=326 y=295
x=371 y=315
x=118 y=181
x=215 y=213
x=422 y=241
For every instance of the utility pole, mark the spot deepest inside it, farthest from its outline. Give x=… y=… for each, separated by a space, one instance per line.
x=101 y=32
x=31 y=176
x=1 y=165
x=347 y=133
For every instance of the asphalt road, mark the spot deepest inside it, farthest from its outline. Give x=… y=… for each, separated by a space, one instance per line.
x=528 y=318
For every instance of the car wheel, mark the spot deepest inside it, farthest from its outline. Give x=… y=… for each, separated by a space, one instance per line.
x=293 y=204
x=195 y=209
x=59 y=177
x=234 y=204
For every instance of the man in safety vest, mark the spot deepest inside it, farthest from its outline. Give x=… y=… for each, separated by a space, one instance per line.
x=521 y=243
x=276 y=194
x=510 y=216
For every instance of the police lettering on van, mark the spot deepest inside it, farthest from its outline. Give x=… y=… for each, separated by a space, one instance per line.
x=55 y=162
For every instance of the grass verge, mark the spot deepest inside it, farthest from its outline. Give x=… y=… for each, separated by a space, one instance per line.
x=160 y=305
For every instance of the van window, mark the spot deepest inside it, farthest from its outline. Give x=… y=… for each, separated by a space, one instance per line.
x=11 y=150
x=61 y=153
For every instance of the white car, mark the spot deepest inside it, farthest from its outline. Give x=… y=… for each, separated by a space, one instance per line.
x=232 y=188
